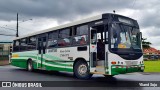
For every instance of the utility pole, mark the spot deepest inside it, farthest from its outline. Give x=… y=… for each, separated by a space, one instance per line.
x=114 y=11
x=17 y=27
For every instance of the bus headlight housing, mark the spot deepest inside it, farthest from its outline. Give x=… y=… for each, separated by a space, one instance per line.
x=142 y=67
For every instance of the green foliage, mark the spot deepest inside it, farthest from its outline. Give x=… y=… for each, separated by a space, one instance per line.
x=145 y=44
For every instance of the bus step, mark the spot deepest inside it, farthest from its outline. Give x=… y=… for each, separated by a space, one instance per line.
x=99 y=66
x=100 y=69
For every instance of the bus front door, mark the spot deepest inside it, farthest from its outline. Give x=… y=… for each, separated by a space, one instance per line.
x=41 y=52
x=97 y=50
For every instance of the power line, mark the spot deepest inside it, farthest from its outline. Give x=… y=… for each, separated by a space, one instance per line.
x=25 y=28
x=133 y=3
x=8 y=28
x=24 y=21
x=7 y=35
x=15 y=29
x=18 y=26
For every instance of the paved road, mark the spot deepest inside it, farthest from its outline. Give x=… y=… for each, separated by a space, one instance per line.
x=11 y=73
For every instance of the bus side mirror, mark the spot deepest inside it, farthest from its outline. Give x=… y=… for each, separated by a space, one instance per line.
x=140 y=35
x=11 y=50
x=107 y=42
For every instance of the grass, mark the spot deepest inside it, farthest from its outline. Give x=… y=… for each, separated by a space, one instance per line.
x=152 y=66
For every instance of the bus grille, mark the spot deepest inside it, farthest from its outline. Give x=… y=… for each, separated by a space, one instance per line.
x=128 y=63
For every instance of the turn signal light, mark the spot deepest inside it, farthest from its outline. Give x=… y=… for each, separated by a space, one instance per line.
x=92 y=46
x=113 y=62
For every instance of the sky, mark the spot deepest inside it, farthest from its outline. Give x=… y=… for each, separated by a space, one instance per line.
x=37 y=15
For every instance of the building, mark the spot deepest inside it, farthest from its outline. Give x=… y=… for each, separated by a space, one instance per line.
x=5 y=50
x=151 y=53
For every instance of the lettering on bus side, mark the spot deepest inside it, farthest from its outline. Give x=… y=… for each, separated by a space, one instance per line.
x=64 y=53
x=52 y=50
x=71 y=58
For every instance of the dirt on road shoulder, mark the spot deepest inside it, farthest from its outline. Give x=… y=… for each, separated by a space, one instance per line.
x=4 y=62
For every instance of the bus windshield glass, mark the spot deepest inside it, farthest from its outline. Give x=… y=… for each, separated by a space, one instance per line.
x=123 y=36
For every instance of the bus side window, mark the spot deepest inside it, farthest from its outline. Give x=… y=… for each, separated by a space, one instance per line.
x=83 y=40
x=23 y=44
x=31 y=43
x=80 y=35
x=16 y=46
x=65 y=37
x=52 y=39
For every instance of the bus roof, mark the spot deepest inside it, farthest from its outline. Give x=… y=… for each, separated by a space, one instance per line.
x=67 y=25
x=63 y=26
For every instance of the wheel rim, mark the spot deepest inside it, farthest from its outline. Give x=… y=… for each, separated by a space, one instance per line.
x=82 y=69
x=29 y=66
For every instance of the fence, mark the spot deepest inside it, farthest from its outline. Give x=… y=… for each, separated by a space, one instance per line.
x=151 y=57
x=4 y=54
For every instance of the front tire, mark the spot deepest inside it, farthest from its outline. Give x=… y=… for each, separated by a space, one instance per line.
x=81 y=70
x=30 y=66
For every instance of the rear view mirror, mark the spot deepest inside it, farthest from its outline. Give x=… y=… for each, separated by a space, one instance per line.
x=140 y=35
x=107 y=42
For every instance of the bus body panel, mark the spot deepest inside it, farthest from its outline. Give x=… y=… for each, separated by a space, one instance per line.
x=19 y=59
x=62 y=58
x=59 y=59
x=123 y=66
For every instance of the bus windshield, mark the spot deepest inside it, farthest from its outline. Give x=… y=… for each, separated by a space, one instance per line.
x=123 y=36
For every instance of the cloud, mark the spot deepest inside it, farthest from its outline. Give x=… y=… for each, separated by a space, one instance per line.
x=50 y=13
x=59 y=9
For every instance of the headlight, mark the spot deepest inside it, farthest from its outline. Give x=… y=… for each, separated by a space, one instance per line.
x=142 y=68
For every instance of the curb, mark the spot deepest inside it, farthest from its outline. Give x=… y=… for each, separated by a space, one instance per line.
x=4 y=62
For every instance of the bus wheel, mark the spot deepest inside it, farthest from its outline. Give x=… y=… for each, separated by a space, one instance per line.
x=30 y=66
x=81 y=70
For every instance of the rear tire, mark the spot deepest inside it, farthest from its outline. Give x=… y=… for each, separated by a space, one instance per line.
x=81 y=70
x=30 y=66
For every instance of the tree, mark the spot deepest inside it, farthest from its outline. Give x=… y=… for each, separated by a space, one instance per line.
x=145 y=44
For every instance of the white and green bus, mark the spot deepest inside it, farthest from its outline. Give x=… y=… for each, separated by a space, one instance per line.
x=107 y=44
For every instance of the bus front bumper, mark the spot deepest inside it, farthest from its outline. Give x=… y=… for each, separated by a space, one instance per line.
x=119 y=69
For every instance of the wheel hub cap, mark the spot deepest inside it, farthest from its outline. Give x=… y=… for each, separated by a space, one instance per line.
x=82 y=69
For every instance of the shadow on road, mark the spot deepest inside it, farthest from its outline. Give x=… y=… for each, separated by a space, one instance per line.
x=47 y=73
x=64 y=79
x=68 y=75
x=64 y=75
